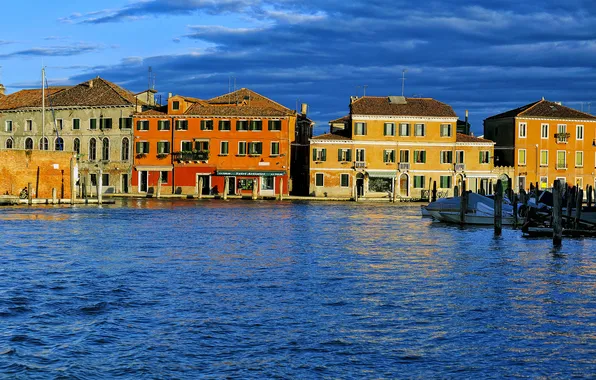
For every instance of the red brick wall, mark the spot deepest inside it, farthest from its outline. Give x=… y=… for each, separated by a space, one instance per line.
x=19 y=167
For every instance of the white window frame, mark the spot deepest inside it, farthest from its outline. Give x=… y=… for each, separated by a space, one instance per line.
x=449 y=130
x=579 y=182
x=540 y=182
x=544 y=127
x=28 y=125
x=73 y=124
x=245 y=148
x=522 y=127
x=363 y=131
x=463 y=156
x=391 y=129
x=278 y=149
x=340 y=181
x=363 y=154
x=581 y=154
x=579 y=128
x=519 y=156
x=565 y=159
x=323 y=180
x=60 y=124
x=221 y=150
x=544 y=151
x=423 y=130
x=6 y=123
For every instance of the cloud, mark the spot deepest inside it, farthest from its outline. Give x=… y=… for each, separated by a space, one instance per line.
x=53 y=51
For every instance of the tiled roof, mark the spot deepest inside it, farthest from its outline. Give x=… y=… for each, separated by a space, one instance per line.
x=330 y=136
x=546 y=109
x=460 y=137
x=151 y=112
x=27 y=98
x=199 y=109
x=95 y=92
x=343 y=119
x=251 y=98
x=425 y=107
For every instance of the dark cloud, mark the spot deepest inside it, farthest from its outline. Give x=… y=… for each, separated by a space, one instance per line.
x=53 y=51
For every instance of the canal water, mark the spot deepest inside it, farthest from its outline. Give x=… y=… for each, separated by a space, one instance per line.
x=242 y=289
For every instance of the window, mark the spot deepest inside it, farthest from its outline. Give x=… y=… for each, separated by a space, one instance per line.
x=544 y=158
x=418 y=182
x=523 y=130
x=446 y=157
x=44 y=144
x=404 y=156
x=579 y=182
x=182 y=125
x=163 y=147
x=274 y=125
x=175 y=105
x=319 y=179
x=275 y=148
x=28 y=125
x=419 y=130
x=562 y=133
x=105 y=123
x=521 y=157
x=459 y=157
x=186 y=146
x=484 y=157
x=59 y=144
x=389 y=155
x=404 y=129
x=164 y=177
x=9 y=143
x=163 y=125
x=521 y=182
x=579 y=159
x=8 y=126
x=267 y=183
x=142 y=147
x=242 y=148
x=28 y=143
x=445 y=130
x=389 y=129
x=344 y=180
x=105 y=179
x=561 y=159
x=543 y=183
x=76 y=146
x=224 y=125
x=76 y=124
x=125 y=122
x=579 y=132
x=202 y=145
x=93 y=124
x=125 y=154
x=360 y=155
x=319 y=154
x=92 y=149
x=105 y=149
x=420 y=156
x=142 y=125
x=93 y=178
x=59 y=124
x=206 y=125
x=255 y=148
x=256 y=125
x=360 y=129
x=242 y=125
x=445 y=182
x=344 y=155
x=544 y=131
x=223 y=148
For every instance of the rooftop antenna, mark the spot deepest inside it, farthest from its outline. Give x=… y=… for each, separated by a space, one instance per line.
x=150 y=76
x=403 y=81
x=365 y=86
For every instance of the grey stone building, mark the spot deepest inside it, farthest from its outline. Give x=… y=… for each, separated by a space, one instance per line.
x=92 y=119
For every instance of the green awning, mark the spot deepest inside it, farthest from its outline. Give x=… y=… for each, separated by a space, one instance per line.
x=382 y=174
x=252 y=173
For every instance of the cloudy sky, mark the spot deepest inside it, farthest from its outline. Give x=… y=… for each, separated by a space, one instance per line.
x=483 y=56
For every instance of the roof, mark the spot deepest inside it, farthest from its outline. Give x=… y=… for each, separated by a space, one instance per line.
x=343 y=119
x=250 y=97
x=545 y=109
x=27 y=98
x=151 y=112
x=243 y=102
x=425 y=107
x=330 y=136
x=461 y=137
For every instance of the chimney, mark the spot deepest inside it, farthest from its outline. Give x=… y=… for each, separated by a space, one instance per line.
x=90 y=83
x=2 y=90
x=304 y=109
x=467 y=126
x=169 y=95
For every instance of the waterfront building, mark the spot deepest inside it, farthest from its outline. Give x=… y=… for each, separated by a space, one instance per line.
x=240 y=137
x=397 y=147
x=545 y=141
x=92 y=119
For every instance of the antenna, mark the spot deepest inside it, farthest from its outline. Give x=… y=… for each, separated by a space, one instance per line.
x=403 y=81
x=150 y=76
x=365 y=86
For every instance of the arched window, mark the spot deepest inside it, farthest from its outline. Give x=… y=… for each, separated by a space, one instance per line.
x=125 y=149
x=76 y=147
x=105 y=149
x=92 y=149
x=29 y=143
x=59 y=144
x=9 y=143
x=43 y=143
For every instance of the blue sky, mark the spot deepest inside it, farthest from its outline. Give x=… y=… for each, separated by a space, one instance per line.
x=484 y=56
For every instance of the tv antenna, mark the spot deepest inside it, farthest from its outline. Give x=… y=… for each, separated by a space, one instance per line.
x=403 y=81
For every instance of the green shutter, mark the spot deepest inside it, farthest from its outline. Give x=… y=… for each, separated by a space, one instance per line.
x=324 y=154
x=339 y=155
x=314 y=154
x=349 y=155
x=138 y=147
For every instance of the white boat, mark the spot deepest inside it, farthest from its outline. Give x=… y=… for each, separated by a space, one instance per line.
x=480 y=210
x=473 y=218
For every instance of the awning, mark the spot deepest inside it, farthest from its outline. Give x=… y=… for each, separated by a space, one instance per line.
x=382 y=173
x=251 y=173
x=149 y=168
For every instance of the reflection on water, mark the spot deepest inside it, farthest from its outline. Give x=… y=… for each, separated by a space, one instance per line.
x=187 y=289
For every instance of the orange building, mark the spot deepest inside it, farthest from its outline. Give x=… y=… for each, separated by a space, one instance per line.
x=242 y=137
x=545 y=141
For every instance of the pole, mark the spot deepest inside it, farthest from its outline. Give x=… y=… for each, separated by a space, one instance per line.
x=99 y=186
x=54 y=196
x=43 y=106
x=73 y=181
x=570 y=203
x=281 y=189
x=498 y=207
x=578 y=207
x=29 y=195
x=158 y=192
x=463 y=205
x=200 y=188
x=254 y=189
x=557 y=214
x=37 y=184
x=434 y=192
x=514 y=202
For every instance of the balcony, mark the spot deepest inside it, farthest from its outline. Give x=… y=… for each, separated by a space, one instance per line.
x=404 y=166
x=191 y=156
x=460 y=167
x=359 y=165
x=562 y=137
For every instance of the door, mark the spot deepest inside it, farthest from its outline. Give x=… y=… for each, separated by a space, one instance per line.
x=206 y=190
x=360 y=184
x=231 y=185
x=124 y=186
x=143 y=179
x=404 y=185
x=268 y=185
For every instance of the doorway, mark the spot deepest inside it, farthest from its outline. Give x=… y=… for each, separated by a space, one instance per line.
x=143 y=181
x=360 y=184
x=404 y=185
x=206 y=190
x=124 y=184
x=231 y=185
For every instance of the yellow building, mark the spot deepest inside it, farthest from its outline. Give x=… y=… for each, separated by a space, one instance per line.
x=545 y=141
x=397 y=147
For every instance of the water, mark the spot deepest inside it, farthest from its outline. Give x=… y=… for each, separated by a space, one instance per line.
x=160 y=289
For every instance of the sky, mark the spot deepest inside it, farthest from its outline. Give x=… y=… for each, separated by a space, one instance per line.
x=486 y=57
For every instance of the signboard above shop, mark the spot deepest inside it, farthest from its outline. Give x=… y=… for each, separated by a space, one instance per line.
x=250 y=173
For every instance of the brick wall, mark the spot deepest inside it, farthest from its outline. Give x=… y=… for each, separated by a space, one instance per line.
x=19 y=167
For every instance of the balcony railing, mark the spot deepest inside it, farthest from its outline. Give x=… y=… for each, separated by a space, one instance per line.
x=562 y=137
x=359 y=164
x=404 y=166
x=191 y=156
x=460 y=167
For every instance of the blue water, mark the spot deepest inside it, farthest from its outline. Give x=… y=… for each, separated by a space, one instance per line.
x=242 y=289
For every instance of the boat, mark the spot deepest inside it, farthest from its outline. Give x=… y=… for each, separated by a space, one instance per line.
x=480 y=210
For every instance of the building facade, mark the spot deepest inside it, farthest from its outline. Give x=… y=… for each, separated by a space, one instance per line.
x=545 y=141
x=398 y=147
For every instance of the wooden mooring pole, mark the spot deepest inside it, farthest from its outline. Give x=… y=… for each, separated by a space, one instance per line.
x=498 y=207
x=570 y=203
x=557 y=214
x=73 y=180
x=463 y=205
x=281 y=189
x=434 y=192
x=30 y=193
x=589 y=196
x=226 y=188
x=578 y=207
x=514 y=203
